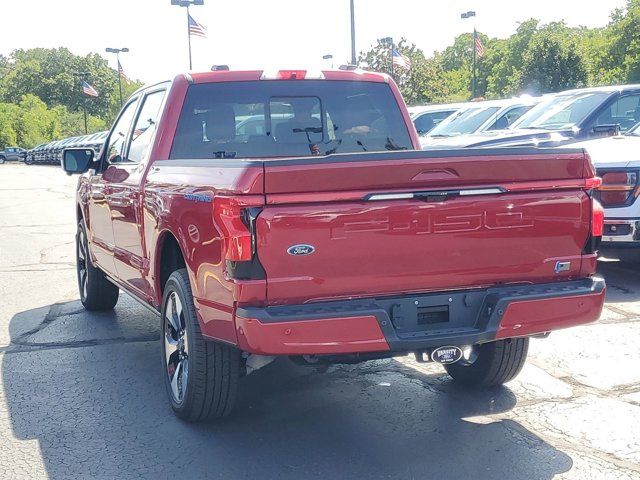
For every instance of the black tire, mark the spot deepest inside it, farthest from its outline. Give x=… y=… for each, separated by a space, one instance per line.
x=2 y=159
x=96 y=292
x=496 y=363
x=213 y=369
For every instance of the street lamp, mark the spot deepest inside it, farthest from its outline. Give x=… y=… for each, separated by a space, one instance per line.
x=471 y=14
x=187 y=3
x=388 y=42
x=118 y=51
x=328 y=56
x=81 y=76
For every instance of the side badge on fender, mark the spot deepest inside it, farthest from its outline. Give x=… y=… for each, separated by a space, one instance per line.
x=301 y=249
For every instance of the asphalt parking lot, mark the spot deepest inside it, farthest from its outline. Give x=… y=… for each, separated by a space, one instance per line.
x=81 y=394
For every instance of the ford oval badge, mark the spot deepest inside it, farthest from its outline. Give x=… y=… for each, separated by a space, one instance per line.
x=446 y=355
x=301 y=249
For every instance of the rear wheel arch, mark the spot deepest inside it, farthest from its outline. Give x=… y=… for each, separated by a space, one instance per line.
x=169 y=258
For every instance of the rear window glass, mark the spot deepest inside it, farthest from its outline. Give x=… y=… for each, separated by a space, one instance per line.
x=288 y=118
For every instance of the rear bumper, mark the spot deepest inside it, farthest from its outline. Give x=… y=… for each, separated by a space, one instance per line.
x=418 y=322
x=621 y=231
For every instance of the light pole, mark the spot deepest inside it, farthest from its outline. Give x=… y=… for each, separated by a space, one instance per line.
x=353 y=34
x=328 y=56
x=187 y=3
x=117 y=51
x=388 y=41
x=471 y=14
x=81 y=76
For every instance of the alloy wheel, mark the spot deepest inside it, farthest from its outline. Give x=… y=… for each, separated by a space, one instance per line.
x=83 y=277
x=176 y=348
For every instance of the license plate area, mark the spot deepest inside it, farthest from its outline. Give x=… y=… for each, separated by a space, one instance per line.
x=435 y=314
x=432 y=315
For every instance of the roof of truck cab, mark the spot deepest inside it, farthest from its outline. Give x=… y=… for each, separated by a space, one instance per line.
x=356 y=75
x=252 y=75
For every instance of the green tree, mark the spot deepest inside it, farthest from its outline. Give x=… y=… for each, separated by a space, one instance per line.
x=422 y=83
x=72 y=123
x=622 y=44
x=48 y=74
x=8 y=135
x=35 y=123
x=552 y=61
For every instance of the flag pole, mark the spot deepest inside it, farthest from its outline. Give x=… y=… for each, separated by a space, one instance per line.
x=84 y=108
x=354 y=61
x=189 y=36
x=391 y=57
x=473 y=85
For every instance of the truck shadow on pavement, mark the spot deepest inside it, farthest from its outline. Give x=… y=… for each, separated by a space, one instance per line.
x=88 y=388
x=621 y=270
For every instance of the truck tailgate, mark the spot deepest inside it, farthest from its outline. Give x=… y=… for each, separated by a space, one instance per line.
x=430 y=221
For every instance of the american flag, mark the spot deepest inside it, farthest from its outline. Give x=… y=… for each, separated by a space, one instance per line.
x=88 y=89
x=479 y=46
x=401 y=60
x=122 y=74
x=196 y=29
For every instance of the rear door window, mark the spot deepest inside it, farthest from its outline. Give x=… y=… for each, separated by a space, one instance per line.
x=288 y=118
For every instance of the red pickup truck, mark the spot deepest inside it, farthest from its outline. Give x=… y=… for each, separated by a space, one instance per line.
x=291 y=213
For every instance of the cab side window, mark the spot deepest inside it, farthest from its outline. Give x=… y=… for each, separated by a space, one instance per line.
x=145 y=127
x=625 y=112
x=118 y=137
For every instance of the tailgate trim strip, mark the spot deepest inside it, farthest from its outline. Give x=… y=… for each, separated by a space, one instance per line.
x=434 y=193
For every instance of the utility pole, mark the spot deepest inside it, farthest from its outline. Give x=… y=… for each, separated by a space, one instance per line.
x=353 y=35
x=472 y=14
x=81 y=76
x=117 y=51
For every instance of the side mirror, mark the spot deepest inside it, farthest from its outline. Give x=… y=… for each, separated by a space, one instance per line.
x=77 y=160
x=607 y=130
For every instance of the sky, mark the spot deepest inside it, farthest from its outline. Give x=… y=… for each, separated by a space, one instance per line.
x=271 y=34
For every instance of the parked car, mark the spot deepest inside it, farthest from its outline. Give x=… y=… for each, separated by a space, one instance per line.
x=12 y=154
x=567 y=117
x=30 y=157
x=426 y=117
x=330 y=238
x=478 y=117
x=617 y=161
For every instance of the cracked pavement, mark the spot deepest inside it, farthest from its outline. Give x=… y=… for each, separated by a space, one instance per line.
x=82 y=396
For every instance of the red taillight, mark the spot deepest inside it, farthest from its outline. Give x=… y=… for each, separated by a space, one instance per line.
x=597 y=219
x=593 y=182
x=618 y=188
x=230 y=216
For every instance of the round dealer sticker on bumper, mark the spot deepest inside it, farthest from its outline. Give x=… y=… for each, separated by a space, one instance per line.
x=446 y=355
